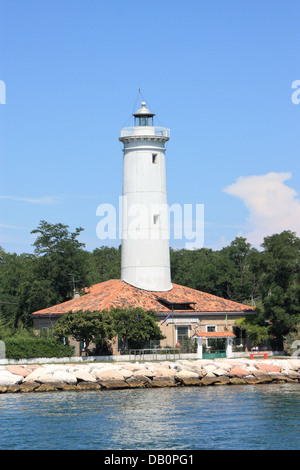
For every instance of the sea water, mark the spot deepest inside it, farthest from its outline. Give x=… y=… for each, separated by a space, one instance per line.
x=226 y=417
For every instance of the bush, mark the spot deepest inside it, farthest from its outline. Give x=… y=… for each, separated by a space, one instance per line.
x=291 y=342
x=20 y=347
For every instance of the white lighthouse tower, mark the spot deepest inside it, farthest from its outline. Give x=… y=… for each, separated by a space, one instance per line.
x=145 y=224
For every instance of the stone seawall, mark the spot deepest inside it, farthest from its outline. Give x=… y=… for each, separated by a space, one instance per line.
x=98 y=376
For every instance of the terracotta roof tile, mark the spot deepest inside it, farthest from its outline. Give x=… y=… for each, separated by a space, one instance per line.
x=215 y=334
x=119 y=294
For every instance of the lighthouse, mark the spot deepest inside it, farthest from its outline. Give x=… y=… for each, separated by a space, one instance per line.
x=145 y=222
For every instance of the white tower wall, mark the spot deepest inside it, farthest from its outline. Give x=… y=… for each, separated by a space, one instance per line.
x=145 y=231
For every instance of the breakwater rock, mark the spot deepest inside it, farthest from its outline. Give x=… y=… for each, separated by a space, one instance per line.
x=97 y=376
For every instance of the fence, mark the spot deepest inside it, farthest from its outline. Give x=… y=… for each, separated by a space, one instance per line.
x=154 y=354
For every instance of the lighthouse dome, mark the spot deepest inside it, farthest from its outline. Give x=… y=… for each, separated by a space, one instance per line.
x=143 y=111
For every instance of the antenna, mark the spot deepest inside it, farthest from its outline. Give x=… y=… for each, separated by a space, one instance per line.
x=73 y=283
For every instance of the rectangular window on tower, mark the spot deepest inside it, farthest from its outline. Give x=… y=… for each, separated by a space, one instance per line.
x=156 y=219
x=154 y=158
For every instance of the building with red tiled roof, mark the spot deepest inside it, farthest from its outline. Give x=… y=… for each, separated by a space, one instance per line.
x=181 y=311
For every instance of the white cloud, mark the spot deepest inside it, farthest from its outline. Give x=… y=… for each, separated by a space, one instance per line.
x=273 y=206
x=46 y=200
x=11 y=227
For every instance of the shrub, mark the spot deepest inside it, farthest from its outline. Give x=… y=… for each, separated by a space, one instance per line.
x=20 y=347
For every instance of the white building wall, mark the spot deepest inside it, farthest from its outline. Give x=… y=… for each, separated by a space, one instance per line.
x=145 y=230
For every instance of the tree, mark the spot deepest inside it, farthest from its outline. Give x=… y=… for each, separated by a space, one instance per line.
x=135 y=327
x=87 y=326
x=258 y=334
x=33 y=295
x=61 y=258
x=105 y=264
x=235 y=279
x=281 y=284
x=54 y=238
x=14 y=270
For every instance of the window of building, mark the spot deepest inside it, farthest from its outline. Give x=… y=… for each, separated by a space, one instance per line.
x=211 y=328
x=154 y=157
x=182 y=334
x=156 y=219
x=210 y=343
x=44 y=331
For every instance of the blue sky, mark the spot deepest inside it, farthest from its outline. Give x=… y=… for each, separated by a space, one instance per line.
x=218 y=73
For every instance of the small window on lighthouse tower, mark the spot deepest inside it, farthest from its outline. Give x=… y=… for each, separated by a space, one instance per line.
x=154 y=157
x=156 y=219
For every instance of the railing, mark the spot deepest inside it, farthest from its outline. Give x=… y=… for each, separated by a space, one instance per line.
x=155 y=354
x=157 y=131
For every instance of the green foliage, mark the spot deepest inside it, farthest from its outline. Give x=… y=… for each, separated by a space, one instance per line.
x=27 y=347
x=189 y=346
x=292 y=341
x=105 y=264
x=280 y=291
x=136 y=327
x=60 y=258
x=86 y=326
x=258 y=334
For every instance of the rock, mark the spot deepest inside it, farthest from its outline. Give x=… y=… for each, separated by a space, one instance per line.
x=138 y=381
x=65 y=377
x=67 y=387
x=84 y=376
x=126 y=373
x=113 y=384
x=7 y=378
x=109 y=374
x=34 y=374
x=236 y=381
x=165 y=373
x=223 y=365
x=276 y=376
x=88 y=386
x=267 y=367
x=18 y=370
x=222 y=380
x=13 y=388
x=294 y=363
x=238 y=371
x=144 y=373
x=292 y=374
x=26 y=387
x=163 y=381
x=262 y=376
x=187 y=377
x=250 y=379
x=198 y=369
x=210 y=367
x=3 y=389
x=46 y=388
x=132 y=367
x=222 y=372
x=163 y=377
x=49 y=379
x=209 y=380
